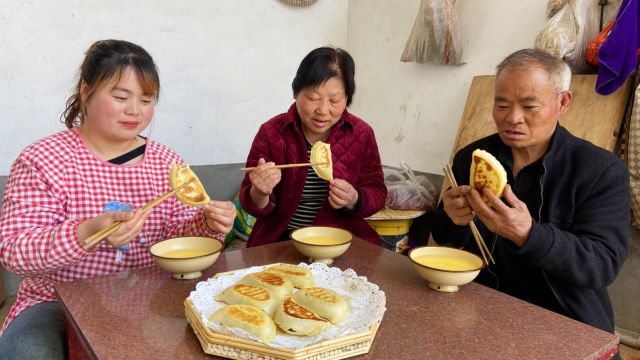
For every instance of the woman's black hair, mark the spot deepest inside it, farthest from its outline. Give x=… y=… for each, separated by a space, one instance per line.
x=104 y=61
x=320 y=65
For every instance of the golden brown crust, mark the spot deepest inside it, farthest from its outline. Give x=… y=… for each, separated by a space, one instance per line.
x=321 y=294
x=192 y=194
x=246 y=317
x=256 y=293
x=270 y=278
x=298 y=311
x=321 y=154
x=247 y=314
x=301 y=277
x=487 y=173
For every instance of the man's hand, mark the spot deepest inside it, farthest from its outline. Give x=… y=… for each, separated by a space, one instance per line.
x=456 y=205
x=510 y=219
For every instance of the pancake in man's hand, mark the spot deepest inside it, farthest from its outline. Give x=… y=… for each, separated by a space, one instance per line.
x=487 y=173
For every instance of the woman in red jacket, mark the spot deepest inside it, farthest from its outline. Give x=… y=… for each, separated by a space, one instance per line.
x=283 y=200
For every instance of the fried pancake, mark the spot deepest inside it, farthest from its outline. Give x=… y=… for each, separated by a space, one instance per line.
x=324 y=302
x=249 y=295
x=321 y=154
x=279 y=286
x=299 y=276
x=296 y=319
x=193 y=194
x=487 y=173
x=248 y=318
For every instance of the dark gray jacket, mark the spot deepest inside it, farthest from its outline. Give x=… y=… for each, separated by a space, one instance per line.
x=581 y=239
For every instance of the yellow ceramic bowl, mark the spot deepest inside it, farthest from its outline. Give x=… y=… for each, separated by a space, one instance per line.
x=186 y=257
x=445 y=268
x=321 y=243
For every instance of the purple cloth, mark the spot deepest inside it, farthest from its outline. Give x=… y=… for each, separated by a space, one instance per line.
x=617 y=54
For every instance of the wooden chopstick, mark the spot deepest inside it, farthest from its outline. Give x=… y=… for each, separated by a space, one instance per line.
x=480 y=242
x=484 y=250
x=448 y=172
x=284 y=166
x=100 y=235
x=474 y=228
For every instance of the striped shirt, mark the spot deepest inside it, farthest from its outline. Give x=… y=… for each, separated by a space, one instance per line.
x=57 y=183
x=313 y=197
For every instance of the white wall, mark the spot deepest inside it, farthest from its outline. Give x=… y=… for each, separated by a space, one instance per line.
x=226 y=66
x=415 y=109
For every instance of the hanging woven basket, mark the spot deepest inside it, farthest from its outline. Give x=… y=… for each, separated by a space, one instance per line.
x=299 y=3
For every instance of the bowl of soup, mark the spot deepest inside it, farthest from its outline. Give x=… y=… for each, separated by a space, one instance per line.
x=445 y=269
x=321 y=243
x=186 y=257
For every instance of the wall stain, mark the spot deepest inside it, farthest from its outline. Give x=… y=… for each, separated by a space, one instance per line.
x=403 y=115
x=400 y=137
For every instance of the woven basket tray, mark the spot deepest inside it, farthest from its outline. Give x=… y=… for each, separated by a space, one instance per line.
x=231 y=347
x=391 y=214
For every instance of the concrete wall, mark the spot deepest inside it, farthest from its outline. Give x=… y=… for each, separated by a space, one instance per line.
x=416 y=108
x=225 y=66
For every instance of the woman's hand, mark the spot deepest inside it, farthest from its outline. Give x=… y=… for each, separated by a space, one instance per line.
x=263 y=179
x=130 y=228
x=342 y=194
x=456 y=205
x=220 y=215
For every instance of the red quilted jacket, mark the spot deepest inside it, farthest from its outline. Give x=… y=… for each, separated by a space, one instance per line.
x=355 y=159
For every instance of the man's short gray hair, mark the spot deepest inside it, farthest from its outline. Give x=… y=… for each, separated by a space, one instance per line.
x=559 y=71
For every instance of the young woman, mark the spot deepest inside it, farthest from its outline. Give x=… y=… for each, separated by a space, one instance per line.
x=57 y=190
x=283 y=200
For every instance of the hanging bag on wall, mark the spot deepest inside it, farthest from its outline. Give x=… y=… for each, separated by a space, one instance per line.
x=567 y=33
x=435 y=36
x=559 y=34
x=591 y=56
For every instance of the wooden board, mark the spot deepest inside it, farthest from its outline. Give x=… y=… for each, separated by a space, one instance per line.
x=591 y=116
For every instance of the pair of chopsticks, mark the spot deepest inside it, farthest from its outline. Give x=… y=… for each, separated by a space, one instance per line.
x=285 y=166
x=100 y=235
x=484 y=250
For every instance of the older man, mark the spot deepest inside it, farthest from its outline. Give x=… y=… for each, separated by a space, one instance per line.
x=559 y=233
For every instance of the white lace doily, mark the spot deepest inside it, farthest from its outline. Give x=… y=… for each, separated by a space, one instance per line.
x=366 y=302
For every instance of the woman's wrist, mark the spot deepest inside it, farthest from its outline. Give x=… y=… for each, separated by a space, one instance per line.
x=259 y=199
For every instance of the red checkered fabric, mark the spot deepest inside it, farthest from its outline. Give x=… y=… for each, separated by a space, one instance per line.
x=57 y=183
